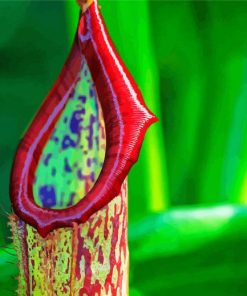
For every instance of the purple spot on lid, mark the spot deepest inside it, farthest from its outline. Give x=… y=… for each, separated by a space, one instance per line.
x=90 y=127
x=82 y=99
x=53 y=172
x=67 y=167
x=92 y=176
x=75 y=121
x=80 y=175
x=97 y=142
x=89 y=162
x=55 y=139
x=85 y=177
x=68 y=142
x=47 y=196
x=71 y=201
x=47 y=158
x=92 y=92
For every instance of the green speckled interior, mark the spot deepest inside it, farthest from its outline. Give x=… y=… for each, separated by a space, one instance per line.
x=73 y=156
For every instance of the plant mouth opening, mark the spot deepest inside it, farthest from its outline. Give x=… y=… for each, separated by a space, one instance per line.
x=71 y=163
x=72 y=158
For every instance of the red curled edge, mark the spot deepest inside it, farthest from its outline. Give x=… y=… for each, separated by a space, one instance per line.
x=126 y=121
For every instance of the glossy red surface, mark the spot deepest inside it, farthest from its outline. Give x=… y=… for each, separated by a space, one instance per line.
x=126 y=121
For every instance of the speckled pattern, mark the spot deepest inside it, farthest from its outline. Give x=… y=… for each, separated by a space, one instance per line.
x=88 y=259
x=73 y=156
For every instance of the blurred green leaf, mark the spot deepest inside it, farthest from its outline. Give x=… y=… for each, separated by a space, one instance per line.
x=8 y=271
x=191 y=251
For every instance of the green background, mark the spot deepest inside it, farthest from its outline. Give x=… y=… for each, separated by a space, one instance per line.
x=188 y=192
